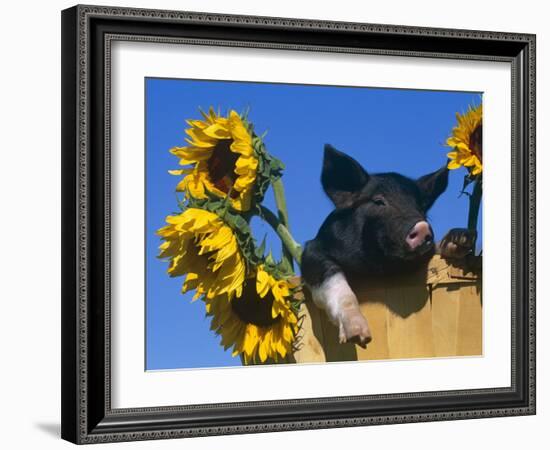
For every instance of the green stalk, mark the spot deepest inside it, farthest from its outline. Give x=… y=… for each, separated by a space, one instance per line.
x=475 y=203
x=282 y=212
x=290 y=246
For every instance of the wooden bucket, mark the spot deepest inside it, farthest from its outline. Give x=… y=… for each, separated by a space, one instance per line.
x=436 y=313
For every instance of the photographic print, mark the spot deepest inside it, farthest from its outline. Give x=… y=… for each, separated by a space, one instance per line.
x=292 y=223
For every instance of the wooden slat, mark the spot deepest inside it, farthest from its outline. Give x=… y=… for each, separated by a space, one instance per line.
x=409 y=328
x=445 y=312
x=470 y=322
x=377 y=314
x=334 y=351
x=310 y=335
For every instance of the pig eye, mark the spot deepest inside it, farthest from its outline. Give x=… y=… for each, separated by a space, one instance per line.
x=379 y=201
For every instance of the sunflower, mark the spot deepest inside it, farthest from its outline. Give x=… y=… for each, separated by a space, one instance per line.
x=260 y=325
x=202 y=247
x=467 y=141
x=222 y=155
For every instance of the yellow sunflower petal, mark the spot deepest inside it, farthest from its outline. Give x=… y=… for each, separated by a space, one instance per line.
x=466 y=141
x=217 y=131
x=262 y=282
x=192 y=241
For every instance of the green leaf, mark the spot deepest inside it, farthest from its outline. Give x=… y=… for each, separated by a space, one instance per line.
x=261 y=249
x=269 y=260
x=285 y=267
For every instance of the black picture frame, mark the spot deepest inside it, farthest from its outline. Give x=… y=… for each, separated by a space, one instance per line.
x=87 y=416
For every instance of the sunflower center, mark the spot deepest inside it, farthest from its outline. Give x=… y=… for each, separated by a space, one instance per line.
x=475 y=141
x=221 y=167
x=252 y=309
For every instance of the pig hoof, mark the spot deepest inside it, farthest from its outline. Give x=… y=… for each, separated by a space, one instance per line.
x=457 y=243
x=355 y=328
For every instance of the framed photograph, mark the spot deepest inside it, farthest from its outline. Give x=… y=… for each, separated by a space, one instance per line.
x=281 y=224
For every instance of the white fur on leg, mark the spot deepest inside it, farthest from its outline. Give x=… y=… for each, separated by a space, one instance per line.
x=335 y=296
x=331 y=293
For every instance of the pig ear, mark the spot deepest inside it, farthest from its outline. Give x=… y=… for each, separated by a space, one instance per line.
x=433 y=185
x=342 y=177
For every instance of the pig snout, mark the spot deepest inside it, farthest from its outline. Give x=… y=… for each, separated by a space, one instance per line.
x=420 y=234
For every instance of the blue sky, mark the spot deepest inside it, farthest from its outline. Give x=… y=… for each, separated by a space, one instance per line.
x=384 y=129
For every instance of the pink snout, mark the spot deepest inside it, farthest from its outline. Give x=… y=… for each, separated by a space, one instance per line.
x=420 y=234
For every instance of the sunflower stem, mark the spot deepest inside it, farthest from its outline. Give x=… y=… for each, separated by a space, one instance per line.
x=289 y=244
x=282 y=212
x=475 y=203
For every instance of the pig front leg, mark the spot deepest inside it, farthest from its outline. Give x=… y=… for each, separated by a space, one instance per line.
x=331 y=292
x=457 y=243
x=335 y=296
